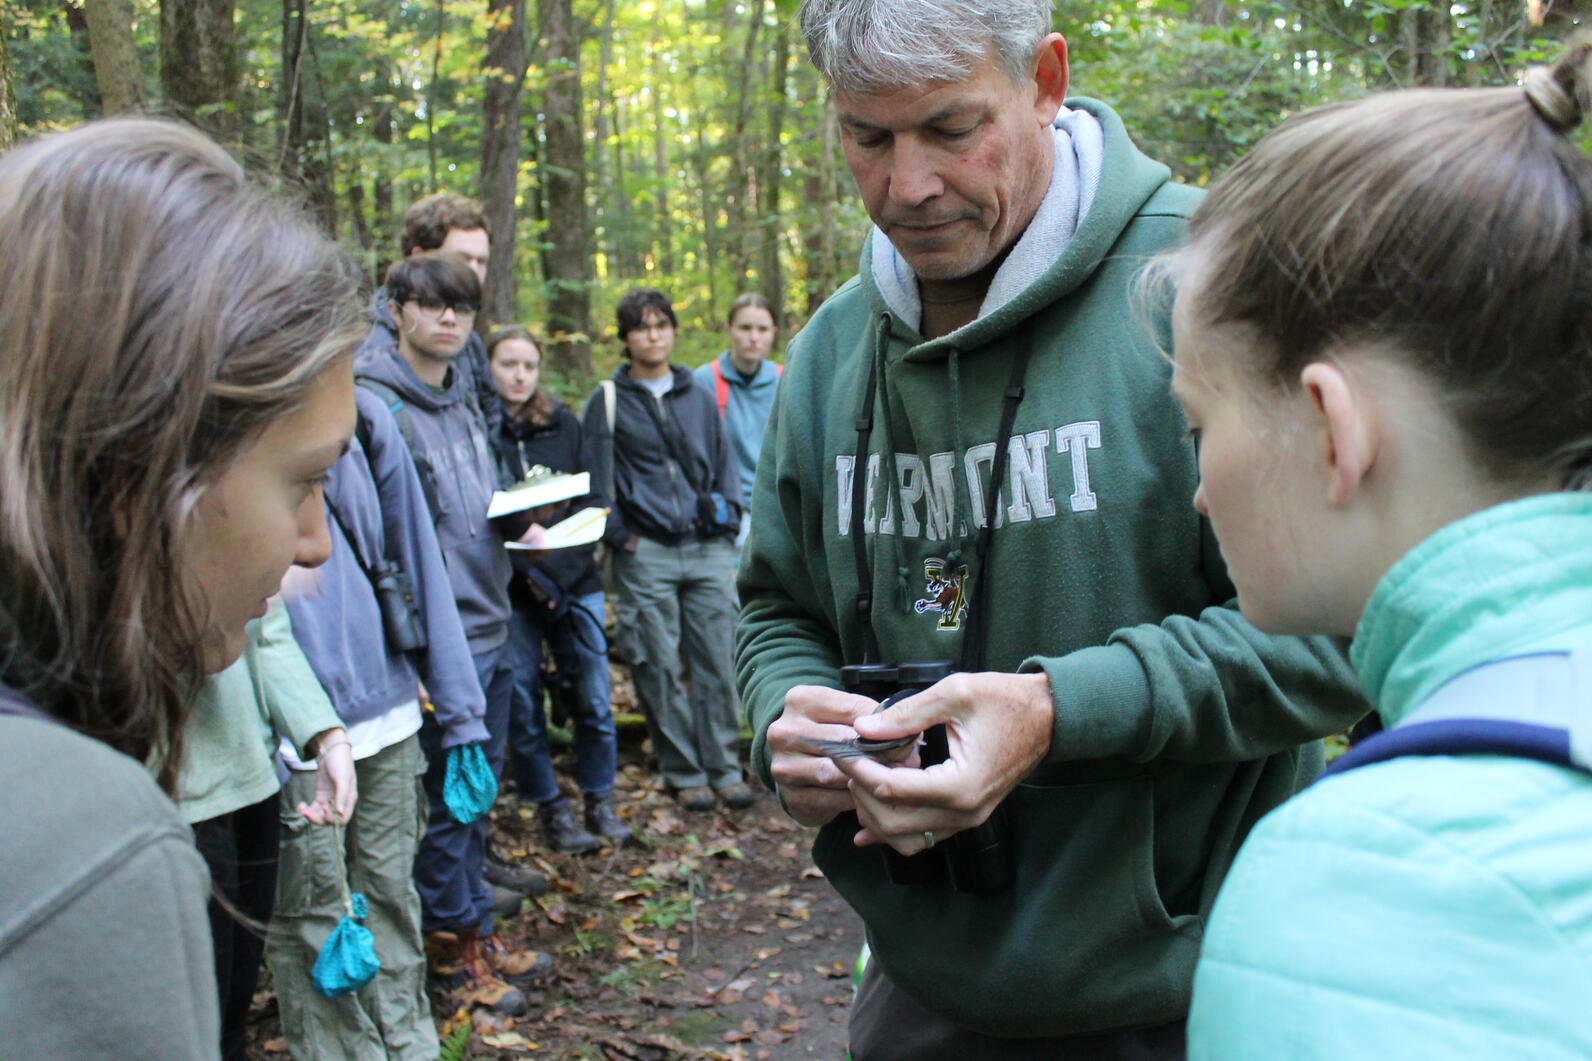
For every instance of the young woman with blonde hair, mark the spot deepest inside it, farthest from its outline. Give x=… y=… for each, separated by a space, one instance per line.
x=175 y=384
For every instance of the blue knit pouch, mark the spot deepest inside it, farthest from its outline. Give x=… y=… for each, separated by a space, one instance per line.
x=468 y=787
x=348 y=960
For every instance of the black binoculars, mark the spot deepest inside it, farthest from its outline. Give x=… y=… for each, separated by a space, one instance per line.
x=400 y=611
x=977 y=860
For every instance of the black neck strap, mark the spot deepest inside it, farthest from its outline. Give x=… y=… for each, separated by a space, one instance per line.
x=973 y=635
x=973 y=640
x=859 y=547
x=353 y=546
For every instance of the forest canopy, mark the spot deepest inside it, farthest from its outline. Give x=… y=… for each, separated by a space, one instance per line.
x=685 y=144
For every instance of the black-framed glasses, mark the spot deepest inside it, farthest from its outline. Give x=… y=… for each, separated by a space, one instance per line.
x=433 y=307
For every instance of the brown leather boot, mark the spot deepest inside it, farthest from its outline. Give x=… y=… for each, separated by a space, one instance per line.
x=519 y=967
x=458 y=962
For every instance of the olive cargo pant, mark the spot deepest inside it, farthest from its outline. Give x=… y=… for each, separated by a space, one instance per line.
x=672 y=597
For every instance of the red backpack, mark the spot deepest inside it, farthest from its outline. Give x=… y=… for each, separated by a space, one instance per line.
x=721 y=386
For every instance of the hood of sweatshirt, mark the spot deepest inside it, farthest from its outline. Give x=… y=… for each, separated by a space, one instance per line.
x=1511 y=580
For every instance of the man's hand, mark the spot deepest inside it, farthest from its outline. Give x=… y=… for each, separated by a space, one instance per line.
x=811 y=786
x=336 y=784
x=997 y=727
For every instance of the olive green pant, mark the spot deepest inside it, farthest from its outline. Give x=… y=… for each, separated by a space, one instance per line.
x=674 y=597
x=390 y=1017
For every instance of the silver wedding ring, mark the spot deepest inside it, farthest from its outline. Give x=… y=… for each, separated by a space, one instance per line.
x=928 y=839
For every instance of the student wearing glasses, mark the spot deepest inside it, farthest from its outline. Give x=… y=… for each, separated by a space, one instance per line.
x=407 y=360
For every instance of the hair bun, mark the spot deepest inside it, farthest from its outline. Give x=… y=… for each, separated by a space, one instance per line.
x=1556 y=104
x=1560 y=93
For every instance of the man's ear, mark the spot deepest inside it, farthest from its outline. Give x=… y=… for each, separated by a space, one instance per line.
x=1345 y=426
x=1050 y=77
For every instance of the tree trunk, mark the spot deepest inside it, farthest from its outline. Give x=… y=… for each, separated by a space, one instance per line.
x=770 y=221
x=382 y=219
x=564 y=175
x=110 y=37
x=504 y=73
x=1428 y=36
x=77 y=31
x=821 y=192
x=431 y=95
x=8 y=96
x=664 y=240
x=742 y=235
x=198 y=63
x=609 y=206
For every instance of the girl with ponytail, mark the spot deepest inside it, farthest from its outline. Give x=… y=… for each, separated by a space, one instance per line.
x=1383 y=333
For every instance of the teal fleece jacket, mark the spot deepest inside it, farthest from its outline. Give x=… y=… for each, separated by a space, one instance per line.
x=1177 y=725
x=1427 y=907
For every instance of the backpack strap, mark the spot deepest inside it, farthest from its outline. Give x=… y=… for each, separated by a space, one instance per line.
x=721 y=387
x=607 y=387
x=406 y=429
x=1527 y=707
x=1462 y=736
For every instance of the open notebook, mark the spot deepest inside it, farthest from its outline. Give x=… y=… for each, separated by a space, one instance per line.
x=583 y=528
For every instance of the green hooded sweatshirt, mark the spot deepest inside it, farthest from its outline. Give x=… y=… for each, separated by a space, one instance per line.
x=1177 y=725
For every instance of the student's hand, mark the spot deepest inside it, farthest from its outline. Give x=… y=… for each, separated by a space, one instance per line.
x=336 y=784
x=534 y=535
x=998 y=728
x=811 y=787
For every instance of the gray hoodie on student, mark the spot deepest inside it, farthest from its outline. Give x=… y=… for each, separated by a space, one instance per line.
x=336 y=619
x=448 y=440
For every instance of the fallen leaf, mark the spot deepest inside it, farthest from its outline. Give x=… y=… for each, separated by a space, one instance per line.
x=786 y=851
x=274 y=1046
x=771 y=999
x=509 y=1039
x=812 y=873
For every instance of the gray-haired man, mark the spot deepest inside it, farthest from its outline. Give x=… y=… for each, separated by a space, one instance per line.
x=974 y=459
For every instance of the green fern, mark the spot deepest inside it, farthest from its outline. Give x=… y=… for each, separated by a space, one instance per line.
x=456 y=1045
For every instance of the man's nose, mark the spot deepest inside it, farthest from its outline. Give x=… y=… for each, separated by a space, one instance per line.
x=914 y=172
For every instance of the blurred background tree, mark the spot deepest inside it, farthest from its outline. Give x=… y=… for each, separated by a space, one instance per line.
x=682 y=144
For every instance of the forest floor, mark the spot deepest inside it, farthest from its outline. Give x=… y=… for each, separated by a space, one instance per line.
x=711 y=937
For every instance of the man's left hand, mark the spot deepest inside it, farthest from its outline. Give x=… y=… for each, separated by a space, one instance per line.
x=998 y=728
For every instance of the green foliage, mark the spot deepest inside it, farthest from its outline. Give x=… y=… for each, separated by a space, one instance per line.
x=456 y=1046
x=678 y=118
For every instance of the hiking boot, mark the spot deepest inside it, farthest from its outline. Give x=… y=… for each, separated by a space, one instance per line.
x=506 y=902
x=603 y=821
x=736 y=795
x=695 y=798
x=457 y=961
x=505 y=874
x=564 y=833
x=519 y=967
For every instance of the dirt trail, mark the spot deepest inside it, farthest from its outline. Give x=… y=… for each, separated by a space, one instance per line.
x=713 y=938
